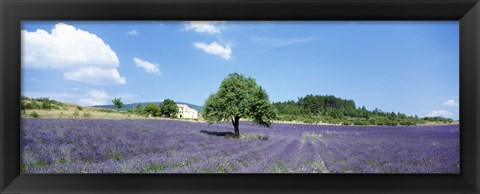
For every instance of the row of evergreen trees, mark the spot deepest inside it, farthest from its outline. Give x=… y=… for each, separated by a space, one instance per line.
x=330 y=109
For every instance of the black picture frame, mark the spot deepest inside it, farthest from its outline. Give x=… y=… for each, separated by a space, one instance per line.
x=12 y=12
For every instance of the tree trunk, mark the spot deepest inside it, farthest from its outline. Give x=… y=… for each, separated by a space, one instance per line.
x=236 y=123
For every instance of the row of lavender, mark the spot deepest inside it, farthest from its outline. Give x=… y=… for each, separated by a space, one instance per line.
x=169 y=146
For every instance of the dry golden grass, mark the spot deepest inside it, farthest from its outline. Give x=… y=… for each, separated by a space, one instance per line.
x=72 y=111
x=439 y=123
x=85 y=112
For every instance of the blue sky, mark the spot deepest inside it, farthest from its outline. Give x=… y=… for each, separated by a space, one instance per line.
x=408 y=67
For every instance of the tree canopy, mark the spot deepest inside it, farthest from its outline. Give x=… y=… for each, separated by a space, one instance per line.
x=138 y=108
x=169 y=108
x=152 y=109
x=118 y=103
x=239 y=97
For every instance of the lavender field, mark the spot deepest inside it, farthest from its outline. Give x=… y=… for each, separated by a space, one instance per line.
x=172 y=146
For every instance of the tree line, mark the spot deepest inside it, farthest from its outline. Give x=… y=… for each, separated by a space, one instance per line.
x=168 y=108
x=331 y=109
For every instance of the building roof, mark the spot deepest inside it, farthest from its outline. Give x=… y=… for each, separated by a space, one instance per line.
x=184 y=106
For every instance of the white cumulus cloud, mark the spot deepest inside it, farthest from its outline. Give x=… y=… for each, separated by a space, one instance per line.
x=451 y=102
x=209 y=27
x=149 y=67
x=215 y=48
x=133 y=32
x=94 y=97
x=440 y=113
x=95 y=75
x=80 y=55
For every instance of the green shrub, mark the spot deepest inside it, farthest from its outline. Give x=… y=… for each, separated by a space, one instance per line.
x=86 y=114
x=392 y=123
x=152 y=109
x=310 y=120
x=383 y=121
x=291 y=118
x=347 y=123
x=106 y=110
x=438 y=119
x=47 y=105
x=407 y=122
x=336 y=121
x=138 y=108
x=79 y=108
x=361 y=122
x=34 y=114
x=326 y=119
x=76 y=113
x=421 y=122
x=32 y=105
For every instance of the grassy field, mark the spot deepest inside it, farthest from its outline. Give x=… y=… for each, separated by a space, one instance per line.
x=73 y=111
x=69 y=110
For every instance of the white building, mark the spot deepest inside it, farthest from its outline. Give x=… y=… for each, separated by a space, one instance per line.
x=186 y=112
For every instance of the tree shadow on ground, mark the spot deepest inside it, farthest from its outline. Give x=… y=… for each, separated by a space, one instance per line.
x=229 y=135
x=217 y=133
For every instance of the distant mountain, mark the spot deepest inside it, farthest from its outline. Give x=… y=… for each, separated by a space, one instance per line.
x=132 y=106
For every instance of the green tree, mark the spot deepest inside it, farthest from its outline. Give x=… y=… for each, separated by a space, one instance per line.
x=239 y=97
x=138 y=108
x=169 y=108
x=152 y=109
x=118 y=103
